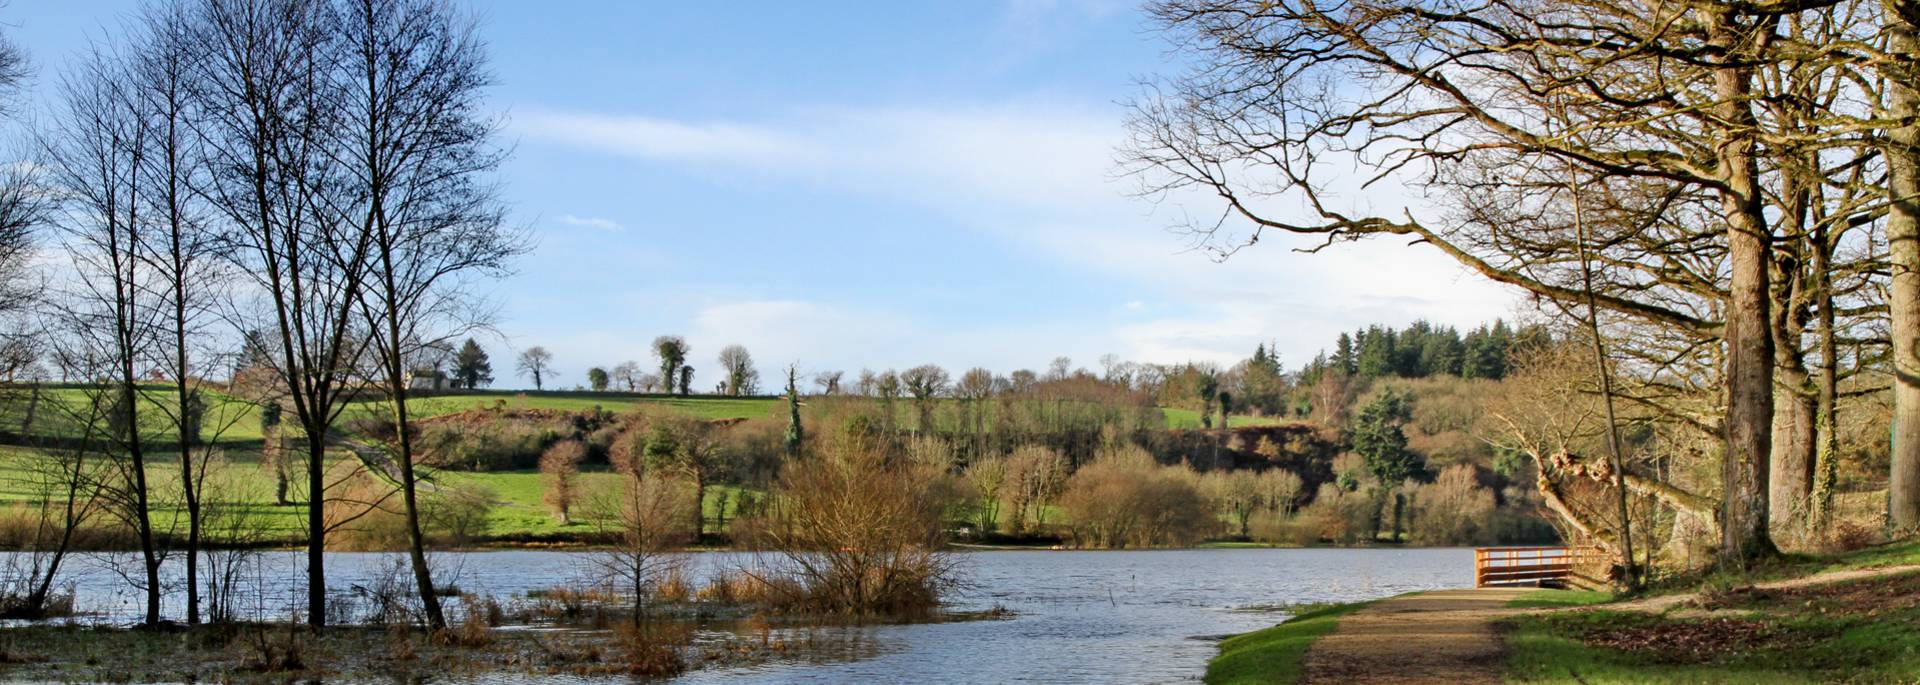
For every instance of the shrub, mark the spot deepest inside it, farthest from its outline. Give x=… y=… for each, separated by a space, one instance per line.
x=1452 y=510
x=1339 y=515
x=1850 y=535
x=1125 y=499
x=856 y=530
x=645 y=517
x=653 y=650
x=560 y=468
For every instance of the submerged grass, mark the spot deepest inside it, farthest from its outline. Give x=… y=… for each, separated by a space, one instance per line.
x=1275 y=655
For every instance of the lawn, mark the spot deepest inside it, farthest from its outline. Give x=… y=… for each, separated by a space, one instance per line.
x=703 y=407
x=244 y=486
x=1550 y=598
x=1190 y=419
x=1859 y=631
x=64 y=411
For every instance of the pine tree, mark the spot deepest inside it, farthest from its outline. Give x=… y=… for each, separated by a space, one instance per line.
x=1382 y=445
x=471 y=368
x=1343 y=361
x=795 y=433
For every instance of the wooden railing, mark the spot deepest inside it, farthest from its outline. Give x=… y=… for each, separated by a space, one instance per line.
x=1537 y=566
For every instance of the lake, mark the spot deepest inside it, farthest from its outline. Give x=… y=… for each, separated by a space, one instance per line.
x=1079 y=616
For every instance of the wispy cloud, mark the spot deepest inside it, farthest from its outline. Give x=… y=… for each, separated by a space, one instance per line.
x=664 y=139
x=1033 y=154
x=592 y=222
x=1039 y=176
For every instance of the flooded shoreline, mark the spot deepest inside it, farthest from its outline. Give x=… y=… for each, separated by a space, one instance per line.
x=1107 y=616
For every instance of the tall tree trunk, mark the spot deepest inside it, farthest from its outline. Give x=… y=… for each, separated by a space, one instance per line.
x=1749 y=343
x=416 y=541
x=397 y=380
x=1790 y=466
x=316 y=525
x=1826 y=419
x=1903 y=243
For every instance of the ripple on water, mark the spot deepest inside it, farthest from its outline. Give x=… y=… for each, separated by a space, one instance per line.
x=1079 y=617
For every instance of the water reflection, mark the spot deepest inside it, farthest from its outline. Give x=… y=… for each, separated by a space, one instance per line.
x=1079 y=617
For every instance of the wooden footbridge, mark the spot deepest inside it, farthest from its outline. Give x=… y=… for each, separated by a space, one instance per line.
x=1538 y=567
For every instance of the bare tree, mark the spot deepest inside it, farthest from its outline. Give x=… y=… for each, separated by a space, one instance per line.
x=97 y=156
x=644 y=515
x=415 y=145
x=829 y=381
x=1514 y=85
x=628 y=374
x=536 y=363
x=925 y=383
x=268 y=112
x=62 y=482
x=22 y=204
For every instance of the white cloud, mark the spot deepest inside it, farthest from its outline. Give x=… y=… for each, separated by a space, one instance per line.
x=592 y=222
x=1031 y=154
x=1039 y=176
x=665 y=139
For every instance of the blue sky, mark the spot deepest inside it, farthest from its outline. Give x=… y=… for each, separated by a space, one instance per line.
x=845 y=185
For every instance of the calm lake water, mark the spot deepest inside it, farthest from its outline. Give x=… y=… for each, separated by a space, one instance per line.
x=1080 y=617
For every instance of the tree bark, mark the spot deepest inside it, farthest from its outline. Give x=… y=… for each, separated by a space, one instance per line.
x=1903 y=243
x=1749 y=342
x=1790 y=467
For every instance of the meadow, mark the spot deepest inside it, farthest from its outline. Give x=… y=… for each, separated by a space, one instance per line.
x=518 y=514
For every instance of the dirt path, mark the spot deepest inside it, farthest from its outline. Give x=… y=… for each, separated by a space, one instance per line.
x=1432 y=637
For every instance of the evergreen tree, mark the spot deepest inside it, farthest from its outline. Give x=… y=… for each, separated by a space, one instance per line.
x=1381 y=442
x=471 y=368
x=795 y=433
x=1343 y=359
x=1377 y=357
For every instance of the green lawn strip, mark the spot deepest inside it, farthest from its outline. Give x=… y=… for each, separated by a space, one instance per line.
x=62 y=413
x=703 y=407
x=1549 y=598
x=1275 y=655
x=520 y=507
x=1549 y=648
x=1190 y=418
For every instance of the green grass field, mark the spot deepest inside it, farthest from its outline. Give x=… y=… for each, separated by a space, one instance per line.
x=1856 y=631
x=245 y=486
x=1190 y=419
x=233 y=427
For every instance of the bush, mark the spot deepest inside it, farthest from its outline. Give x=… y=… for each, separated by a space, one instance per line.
x=1125 y=499
x=560 y=468
x=855 y=530
x=1339 y=515
x=1452 y=510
